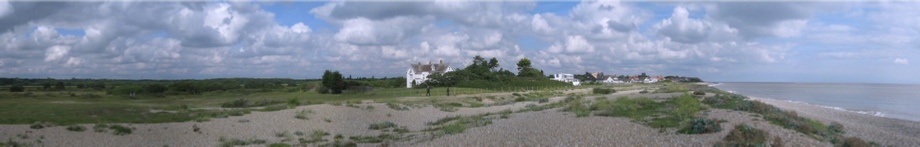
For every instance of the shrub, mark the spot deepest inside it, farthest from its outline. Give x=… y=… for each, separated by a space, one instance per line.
x=322 y=89
x=238 y=142
x=302 y=114
x=835 y=127
x=76 y=128
x=744 y=135
x=698 y=93
x=454 y=128
x=40 y=125
x=372 y=139
x=381 y=126
x=120 y=130
x=854 y=142
x=17 y=88
x=701 y=126
x=238 y=103
x=396 y=106
x=293 y=102
x=100 y=127
x=603 y=91
x=578 y=107
x=687 y=106
x=505 y=113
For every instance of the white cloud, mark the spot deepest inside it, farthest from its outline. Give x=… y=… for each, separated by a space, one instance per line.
x=578 y=44
x=540 y=25
x=683 y=29
x=901 y=61
x=55 y=53
x=5 y=8
x=300 y=28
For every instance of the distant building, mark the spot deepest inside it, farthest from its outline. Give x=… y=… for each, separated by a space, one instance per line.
x=568 y=78
x=418 y=73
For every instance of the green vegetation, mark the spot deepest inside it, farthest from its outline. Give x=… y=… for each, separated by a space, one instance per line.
x=373 y=139
x=786 y=119
x=316 y=136
x=381 y=126
x=224 y=142
x=700 y=126
x=302 y=114
x=120 y=130
x=458 y=124
x=17 y=88
x=487 y=75
x=603 y=90
x=744 y=135
x=76 y=128
x=665 y=114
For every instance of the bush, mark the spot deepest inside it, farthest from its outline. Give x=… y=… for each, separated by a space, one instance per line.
x=120 y=130
x=698 y=93
x=744 y=135
x=454 y=128
x=687 y=106
x=701 y=126
x=854 y=142
x=302 y=114
x=76 y=128
x=835 y=128
x=17 y=88
x=40 y=125
x=381 y=126
x=238 y=103
x=603 y=91
x=293 y=102
x=322 y=89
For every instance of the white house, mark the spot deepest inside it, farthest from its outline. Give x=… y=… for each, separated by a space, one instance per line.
x=568 y=78
x=612 y=80
x=418 y=73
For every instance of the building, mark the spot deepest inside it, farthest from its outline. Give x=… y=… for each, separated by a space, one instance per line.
x=612 y=79
x=568 y=78
x=418 y=73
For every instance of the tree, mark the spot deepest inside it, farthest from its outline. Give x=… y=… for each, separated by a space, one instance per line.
x=493 y=63
x=17 y=88
x=59 y=86
x=334 y=81
x=154 y=88
x=525 y=70
x=523 y=64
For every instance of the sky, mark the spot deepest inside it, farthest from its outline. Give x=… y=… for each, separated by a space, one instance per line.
x=789 y=41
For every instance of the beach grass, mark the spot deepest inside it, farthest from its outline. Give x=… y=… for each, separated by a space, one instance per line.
x=832 y=133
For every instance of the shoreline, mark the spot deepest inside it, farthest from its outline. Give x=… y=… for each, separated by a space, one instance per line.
x=883 y=130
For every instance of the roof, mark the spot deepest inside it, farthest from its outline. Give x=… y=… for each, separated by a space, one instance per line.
x=432 y=68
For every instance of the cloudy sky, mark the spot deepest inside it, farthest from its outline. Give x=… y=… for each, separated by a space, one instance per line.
x=874 y=42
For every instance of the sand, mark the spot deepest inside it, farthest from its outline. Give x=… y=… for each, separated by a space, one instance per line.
x=542 y=128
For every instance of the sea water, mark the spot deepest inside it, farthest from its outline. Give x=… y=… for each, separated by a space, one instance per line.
x=899 y=101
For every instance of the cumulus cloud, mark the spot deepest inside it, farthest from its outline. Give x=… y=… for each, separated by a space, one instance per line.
x=213 y=39
x=55 y=53
x=5 y=8
x=901 y=61
x=682 y=29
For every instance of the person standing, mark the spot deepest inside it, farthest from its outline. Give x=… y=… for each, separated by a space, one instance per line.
x=428 y=91
x=448 y=91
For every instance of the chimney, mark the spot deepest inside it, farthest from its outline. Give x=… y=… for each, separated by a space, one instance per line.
x=429 y=62
x=440 y=62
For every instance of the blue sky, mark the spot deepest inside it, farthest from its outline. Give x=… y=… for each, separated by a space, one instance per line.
x=801 y=41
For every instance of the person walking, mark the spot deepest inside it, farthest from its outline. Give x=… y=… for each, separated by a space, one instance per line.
x=448 y=91
x=428 y=91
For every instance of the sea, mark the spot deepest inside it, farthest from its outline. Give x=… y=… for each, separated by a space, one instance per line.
x=900 y=101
